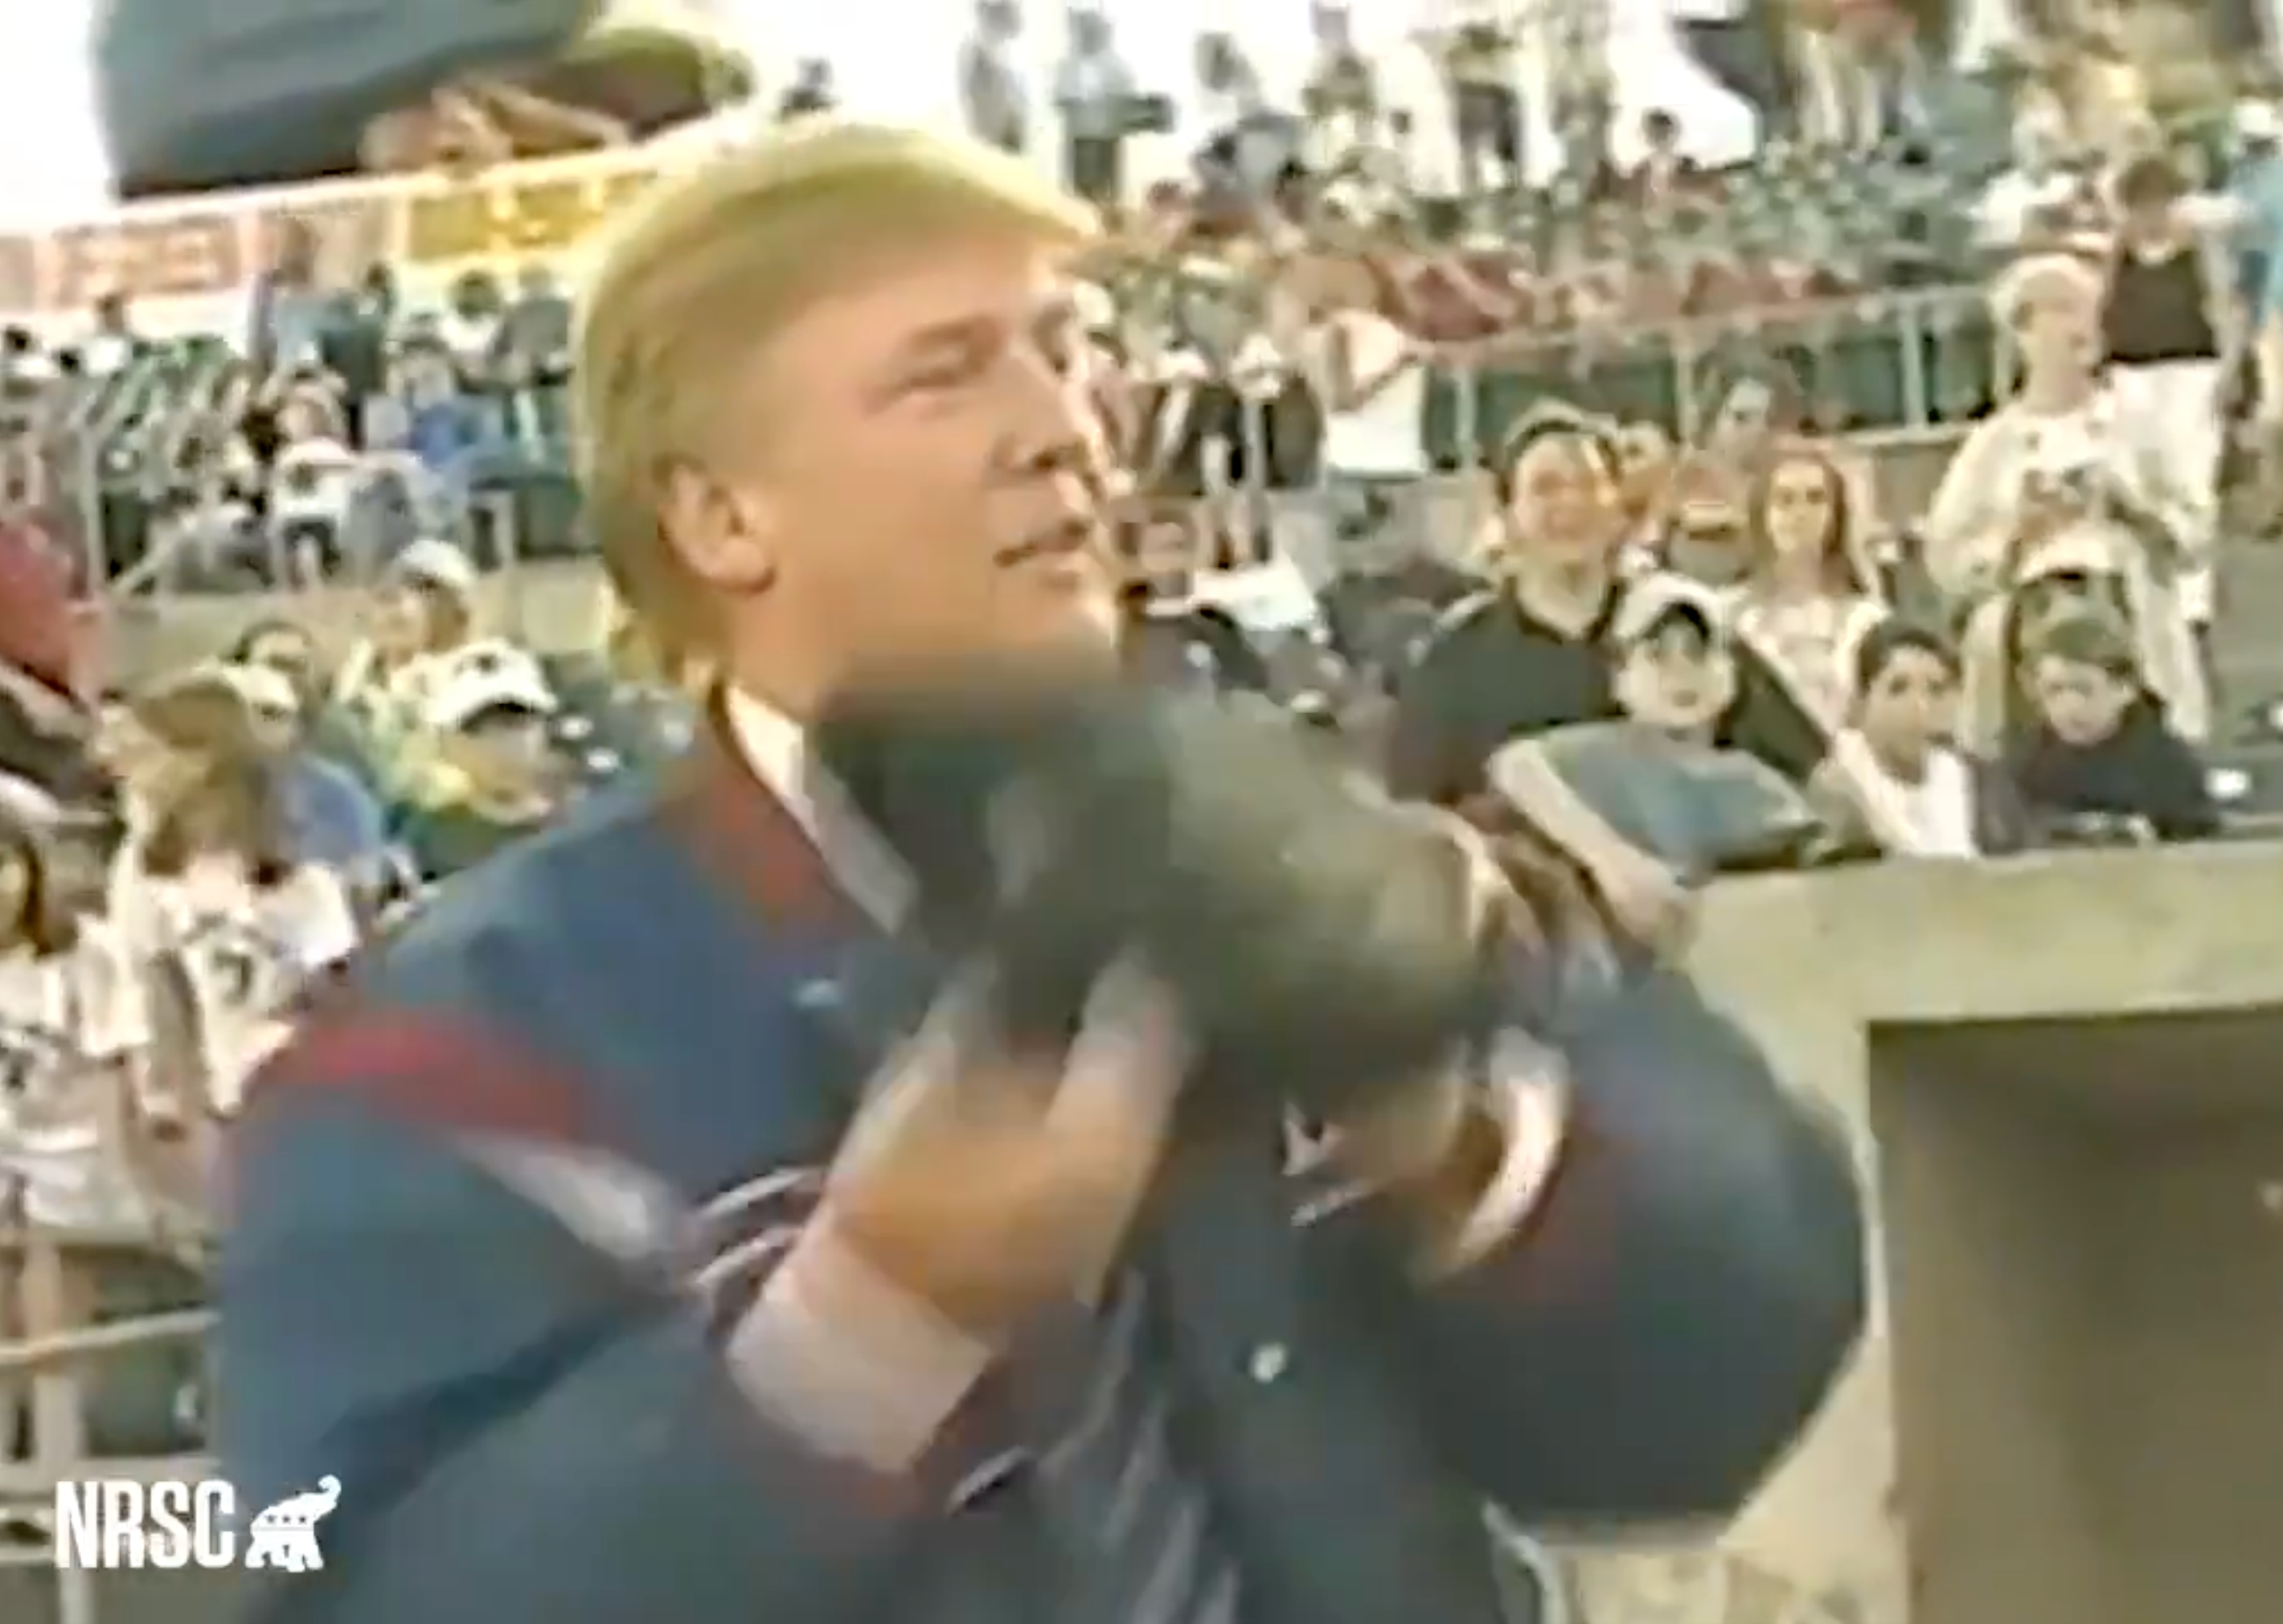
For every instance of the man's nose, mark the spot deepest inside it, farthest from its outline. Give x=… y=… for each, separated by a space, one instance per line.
x=1058 y=430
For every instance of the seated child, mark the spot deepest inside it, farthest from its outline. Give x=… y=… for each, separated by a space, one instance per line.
x=1657 y=779
x=489 y=708
x=2097 y=761
x=1895 y=776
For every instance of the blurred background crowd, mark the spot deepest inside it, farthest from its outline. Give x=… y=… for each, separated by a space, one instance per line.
x=1886 y=440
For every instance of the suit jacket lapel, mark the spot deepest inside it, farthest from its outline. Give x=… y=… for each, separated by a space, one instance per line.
x=744 y=835
x=861 y=989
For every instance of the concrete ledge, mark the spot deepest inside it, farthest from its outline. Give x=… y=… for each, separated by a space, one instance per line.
x=2058 y=1072
x=2178 y=931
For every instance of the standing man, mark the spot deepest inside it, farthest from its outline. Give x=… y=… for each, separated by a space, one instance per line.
x=595 y=1247
x=993 y=91
x=1094 y=91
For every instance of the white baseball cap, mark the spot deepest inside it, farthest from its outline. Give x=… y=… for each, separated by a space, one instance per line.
x=1648 y=601
x=266 y=692
x=490 y=675
x=436 y=562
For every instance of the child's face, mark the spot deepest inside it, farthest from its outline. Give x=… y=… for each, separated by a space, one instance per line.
x=1909 y=706
x=1676 y=677
x=504 y=752
x=2081 y=704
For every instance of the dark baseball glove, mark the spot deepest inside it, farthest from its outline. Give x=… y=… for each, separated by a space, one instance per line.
x=1321 y=942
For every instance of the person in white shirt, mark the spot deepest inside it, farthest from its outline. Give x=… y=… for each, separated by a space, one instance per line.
x=1893 y=775
x=1093 y=92
x=311 y=480
x=1342 y=94
x=72 y=1032
x=993 y=92
x=113 y=347
x=469 y=326
x=207 y=880
x=2038 y=183
x=1371 y=376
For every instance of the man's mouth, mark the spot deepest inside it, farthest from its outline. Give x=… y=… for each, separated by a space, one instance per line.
x=1070 y=537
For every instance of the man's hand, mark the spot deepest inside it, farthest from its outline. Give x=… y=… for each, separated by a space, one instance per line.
x=983 y=1184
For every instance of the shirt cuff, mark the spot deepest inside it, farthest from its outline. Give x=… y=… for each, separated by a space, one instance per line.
x=1527 y=1097
x=851 y=1361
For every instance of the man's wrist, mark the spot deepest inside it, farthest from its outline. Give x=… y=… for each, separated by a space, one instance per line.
x=855 y=1363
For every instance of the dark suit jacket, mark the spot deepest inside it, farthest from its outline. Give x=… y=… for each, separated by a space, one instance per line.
x=453 y=1279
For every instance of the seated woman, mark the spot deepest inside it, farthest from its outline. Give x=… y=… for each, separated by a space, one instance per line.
x=424 y=608
x=208 y=894
x=87 y=1155
x=1809 y=594
x=72 y=1031
x=1712 y=487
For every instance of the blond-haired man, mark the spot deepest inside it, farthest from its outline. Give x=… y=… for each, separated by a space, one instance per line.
x=600 y=1252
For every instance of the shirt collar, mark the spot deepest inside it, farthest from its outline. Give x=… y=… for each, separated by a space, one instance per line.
x=775 y=749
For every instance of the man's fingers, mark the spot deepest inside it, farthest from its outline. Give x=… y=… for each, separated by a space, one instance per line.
x=1111 y=1096
x=1106 y=1129
x=927 y=1084
x=1125 y=1064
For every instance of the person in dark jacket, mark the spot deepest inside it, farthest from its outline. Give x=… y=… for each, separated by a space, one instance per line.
x=608 y=1215
x=2098 y=761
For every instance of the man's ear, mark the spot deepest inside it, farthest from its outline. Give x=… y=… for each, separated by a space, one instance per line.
x=724 y=537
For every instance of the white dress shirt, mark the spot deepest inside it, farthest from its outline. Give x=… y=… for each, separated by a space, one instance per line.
x=774 y=747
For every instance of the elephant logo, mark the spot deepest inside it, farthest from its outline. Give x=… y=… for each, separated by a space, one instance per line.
x=284 y=1536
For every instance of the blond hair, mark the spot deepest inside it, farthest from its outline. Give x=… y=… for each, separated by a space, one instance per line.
x=709 y=266
x=2015 y=288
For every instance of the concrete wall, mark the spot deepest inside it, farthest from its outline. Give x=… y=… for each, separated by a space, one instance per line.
x=2061 y=1071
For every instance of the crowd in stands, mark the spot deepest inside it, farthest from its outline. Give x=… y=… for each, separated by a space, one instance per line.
x=1543 y=498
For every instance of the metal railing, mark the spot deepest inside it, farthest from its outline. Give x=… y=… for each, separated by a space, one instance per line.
x=50 y=1370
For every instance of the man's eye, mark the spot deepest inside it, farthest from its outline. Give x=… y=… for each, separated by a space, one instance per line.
x=952 y=369
x=1064 y=351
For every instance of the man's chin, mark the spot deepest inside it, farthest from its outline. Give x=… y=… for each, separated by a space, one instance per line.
x=1066 y=612
x=1083 y=629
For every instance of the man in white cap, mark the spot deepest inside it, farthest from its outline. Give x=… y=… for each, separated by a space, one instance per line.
x=487 y=705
